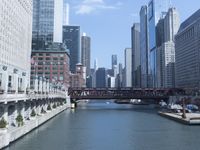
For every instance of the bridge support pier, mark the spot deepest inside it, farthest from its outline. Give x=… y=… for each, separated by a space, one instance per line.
x=73 y=103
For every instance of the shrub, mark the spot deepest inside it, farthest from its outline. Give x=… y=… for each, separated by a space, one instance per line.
x=19 y=120
x=33 y=114
x=43 y=111
x=3 y=123
x=49 y=107
x=54 y=105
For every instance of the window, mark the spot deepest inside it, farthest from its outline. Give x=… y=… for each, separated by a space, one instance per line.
x=0 y=79
x=9 y=81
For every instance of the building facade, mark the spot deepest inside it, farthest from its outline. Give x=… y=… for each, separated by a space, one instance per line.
x=71 y=38
x=114 y=65
x=136 y=65
x=47 y=23
x=144 y=50
x=166 y=29
x=78 y=79
x=101 y=78
x=86 y=52
x=15 y=45
x=128 y=67
x=52 y=65
x=187 y=53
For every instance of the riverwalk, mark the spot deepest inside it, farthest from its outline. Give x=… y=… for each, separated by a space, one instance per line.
x=11 y=134
x=191 y=118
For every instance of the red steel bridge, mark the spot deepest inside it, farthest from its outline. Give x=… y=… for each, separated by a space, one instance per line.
x=124 y=93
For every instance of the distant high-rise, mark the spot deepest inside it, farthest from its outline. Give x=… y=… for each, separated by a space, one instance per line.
x=71 y=38
x=47 y=23
x=144 y=50
x=66 y=14
x=114 y=65
x=85 y=52
x=136 y=65
x=166 y=29
x=128 y=67
x=114 y=61
x=171 y=26
x=154 y=11
x=187 y=53
x=101 y=77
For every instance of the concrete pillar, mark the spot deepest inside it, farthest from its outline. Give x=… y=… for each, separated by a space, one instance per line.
x=15 y=82
x=36 y=84
x=40 y=85
x=47 y=86
x=44 y=85
x=5 y=81
x=24 y=83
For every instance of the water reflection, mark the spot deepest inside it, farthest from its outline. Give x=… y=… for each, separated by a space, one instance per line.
x=102 y=126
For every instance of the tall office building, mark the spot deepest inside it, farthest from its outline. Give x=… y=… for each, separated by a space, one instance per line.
x=114 y=65
x=128 y=67
x=50 y=58
x=15 y=45
x=136 y=65
x=171 y=26
x=85 y=52
x=101 y=78
x=114 y=61
x=155 y=7
x=144 y=49
x=47 y=23
x=65 y=13
x=166 y=29
x=160 y=35
x=71 y=38
x=187 y=53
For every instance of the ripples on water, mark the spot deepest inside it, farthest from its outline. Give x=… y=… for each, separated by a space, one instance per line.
x=102 y=126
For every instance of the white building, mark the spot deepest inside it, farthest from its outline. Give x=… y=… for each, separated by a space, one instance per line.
x=128 y=67
x=171 y=26
x=15 y=45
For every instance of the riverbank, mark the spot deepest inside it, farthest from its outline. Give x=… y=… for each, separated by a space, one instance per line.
x=10 y=135
x=191 y=118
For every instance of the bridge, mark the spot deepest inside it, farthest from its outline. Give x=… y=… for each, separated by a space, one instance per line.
x=77 y=93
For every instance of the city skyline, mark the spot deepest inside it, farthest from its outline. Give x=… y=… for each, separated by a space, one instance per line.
x=90 y=15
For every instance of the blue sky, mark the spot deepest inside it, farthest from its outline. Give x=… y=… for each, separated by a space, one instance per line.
x=108 y=23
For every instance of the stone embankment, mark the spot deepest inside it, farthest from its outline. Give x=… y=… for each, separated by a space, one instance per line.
x=11 y=134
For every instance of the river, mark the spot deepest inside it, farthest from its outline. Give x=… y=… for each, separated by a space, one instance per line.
x=103 y=126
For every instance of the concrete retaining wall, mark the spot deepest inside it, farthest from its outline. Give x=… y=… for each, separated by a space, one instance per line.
x=15 y=133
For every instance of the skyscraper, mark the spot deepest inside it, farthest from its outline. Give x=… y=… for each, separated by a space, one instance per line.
x=101 y=78
x=47 y=23
x=85 y=52
x=171 y=26
x=15 y=45
x=66 y=14
x=154 y=11
x=114 y=61
x=128 y=67
x=166 y=29
x=114 y=65
x=50 y=57
x=144 y=49
x=187 y=53
x=71 y=38
x=136 y=65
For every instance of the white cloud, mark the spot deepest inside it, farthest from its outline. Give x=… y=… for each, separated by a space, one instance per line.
x=93 y=1
x=90 y=6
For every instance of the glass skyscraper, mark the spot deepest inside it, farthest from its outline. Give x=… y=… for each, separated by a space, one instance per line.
x=71 y=38
x=47 y=23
